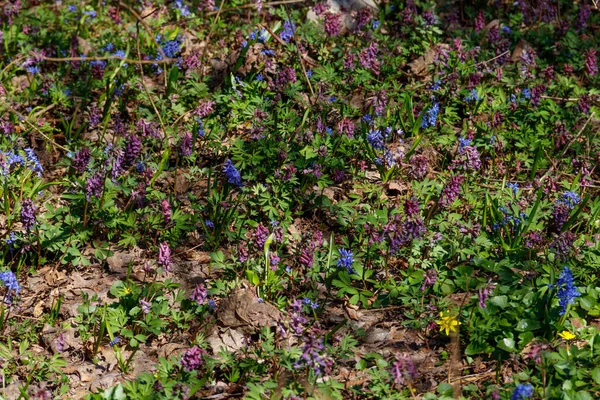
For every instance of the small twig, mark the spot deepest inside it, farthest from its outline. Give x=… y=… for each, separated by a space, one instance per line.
x=13 y=62
x=26 y=120
x=181 y=116
x=304 y=57
x=492 y=59
x=127 y=60
x=577 y=136
x=45 y=110
x=255 y=5
x=210 y=32
x=146 y=89
x=312 y=92
x=558 y=98
x=146 y=27
x=567 y=147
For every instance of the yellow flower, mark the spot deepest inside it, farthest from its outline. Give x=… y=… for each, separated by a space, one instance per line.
x=448 y=322
x=567 y=335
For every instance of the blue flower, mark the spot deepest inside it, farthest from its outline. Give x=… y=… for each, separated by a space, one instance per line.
x=288 y=31
x=430 y=116
x=567 y=291
x=437 y=84
x=375 y=139
x=473 y=96
x=309 y=73
x=513 y=186
x=209 y=224
x=34 y=69
x=115 y=341
x=121 y=54
x=310 y=303
x=232 y=174
x=11 y=239
x=268 y=52
x=91 y=13
x=33 y=159
x=522 y=392
x=183 y=8
x=345 y=260
x=375 y=24
x=570 y=199
x=462 y=143
x=72 y=8
x=9 y=280
x=527 y=93
x=262 y=36
x=506 y=30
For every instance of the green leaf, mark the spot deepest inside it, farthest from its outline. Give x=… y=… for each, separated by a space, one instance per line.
x=507 y=344
x=528 y=325
x=499 y=301
x=596 y=375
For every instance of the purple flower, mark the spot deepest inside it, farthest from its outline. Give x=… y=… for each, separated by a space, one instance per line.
x=379 y=102
x=584 y=103
x=28 y=211
x=418 y=167
x=403 y=370
x=60 y=343
x=368 y=58
x=261 y=234
x=200 y=294
x=145 y=305
x=166 y=210
x=118 y=159
x=209 y=224
x=430 y=279
x=192 y=359
x=133 y=148
x=584 y=14
x=94 y=185
x=346 y=126
x=82 y=159
x=164 y=256
x=563 y=244
x=451 y=191
x=232 y=174
x=186 y=145
x=313 y=355
x=332 y=24
x=591 y=62
x=479 y=22
x=484 y=293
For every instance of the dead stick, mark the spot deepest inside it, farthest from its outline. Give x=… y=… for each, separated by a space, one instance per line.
x=128 y=60
x=26 y=120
